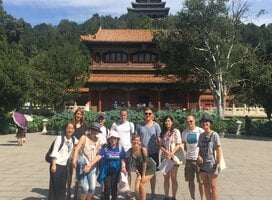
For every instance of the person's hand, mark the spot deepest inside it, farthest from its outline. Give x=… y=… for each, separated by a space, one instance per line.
x=143 y=180
x=87 y=168
x=124 y=170
x=53 y=168
x=200 y=160
x=170 y=155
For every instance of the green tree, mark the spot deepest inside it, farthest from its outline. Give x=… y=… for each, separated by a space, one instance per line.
x=14 y=79
x=68 y=32
x=57 y=74
x=257 y=90
x=206 y=45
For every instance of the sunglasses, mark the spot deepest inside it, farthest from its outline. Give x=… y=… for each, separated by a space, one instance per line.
x=148 y=113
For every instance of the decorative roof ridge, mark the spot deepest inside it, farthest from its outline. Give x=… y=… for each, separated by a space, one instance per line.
x=121 y=35
x=123 y=29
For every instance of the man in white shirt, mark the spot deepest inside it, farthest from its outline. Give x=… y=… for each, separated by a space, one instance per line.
x=101 y=119
x=125 y=129
x=190 y=139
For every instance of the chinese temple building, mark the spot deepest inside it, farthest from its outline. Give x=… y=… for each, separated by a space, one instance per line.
x=152 y=8
x=123 y=72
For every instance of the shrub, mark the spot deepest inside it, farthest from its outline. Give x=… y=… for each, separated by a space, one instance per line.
x=58 y=121
x=36 y=124
x=262 y=128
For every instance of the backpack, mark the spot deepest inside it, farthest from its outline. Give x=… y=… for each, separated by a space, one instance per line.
x=47 y=155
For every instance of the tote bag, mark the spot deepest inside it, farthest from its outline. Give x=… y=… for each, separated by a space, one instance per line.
x=180 y=155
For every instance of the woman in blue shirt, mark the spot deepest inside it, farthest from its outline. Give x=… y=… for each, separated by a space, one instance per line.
x=112 y=155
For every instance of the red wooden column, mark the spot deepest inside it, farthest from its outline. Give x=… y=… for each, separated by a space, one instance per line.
x=159 y=99
x=90 y=97
x=129 y=59
x=128 y=98
x=100 y=101
x=188 y=100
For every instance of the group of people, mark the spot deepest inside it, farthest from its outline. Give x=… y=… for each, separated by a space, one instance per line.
x=100 y=154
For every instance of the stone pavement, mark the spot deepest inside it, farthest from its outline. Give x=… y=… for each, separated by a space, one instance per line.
x=24 y=173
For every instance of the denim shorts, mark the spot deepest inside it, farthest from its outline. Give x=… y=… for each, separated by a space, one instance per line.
x=88 y=181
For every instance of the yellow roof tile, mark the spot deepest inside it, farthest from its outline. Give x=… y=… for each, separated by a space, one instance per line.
x=119 y=35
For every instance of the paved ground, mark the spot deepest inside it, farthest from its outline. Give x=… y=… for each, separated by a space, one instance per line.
x=24 y=173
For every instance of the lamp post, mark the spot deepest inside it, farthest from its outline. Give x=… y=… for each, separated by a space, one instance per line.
x=239 y=123
x=44 y=123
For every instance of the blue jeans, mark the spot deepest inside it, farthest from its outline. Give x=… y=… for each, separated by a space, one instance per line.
x=88 y=181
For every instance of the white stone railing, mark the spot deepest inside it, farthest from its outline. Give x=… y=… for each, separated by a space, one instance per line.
x=75 y=106
x=255 y=112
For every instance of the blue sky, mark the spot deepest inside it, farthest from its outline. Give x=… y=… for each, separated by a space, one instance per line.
x=52 y=11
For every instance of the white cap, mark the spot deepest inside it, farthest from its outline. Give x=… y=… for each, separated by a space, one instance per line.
x=113 y=134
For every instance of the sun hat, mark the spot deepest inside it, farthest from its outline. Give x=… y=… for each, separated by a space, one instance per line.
x=95 y=126
x=113 y=134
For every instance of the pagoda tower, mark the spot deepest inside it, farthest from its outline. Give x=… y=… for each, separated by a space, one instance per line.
x=152 y=8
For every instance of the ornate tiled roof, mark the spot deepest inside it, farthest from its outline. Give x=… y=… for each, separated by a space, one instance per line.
x=152 y=8
x=119 y=35
x=129 y=78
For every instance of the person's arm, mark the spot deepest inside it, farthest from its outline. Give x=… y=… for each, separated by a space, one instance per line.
x=158 y=133
x=54 y=165
x=177 y=147
x=122 y=157
x=162 y=147
x=113 y=127
x=144 y=164
x=91 y=164
x=123 y=164
x=98 y=157
x=55 y=154
x=137 y=130
x=218 y=155
x=77 y=148
x=133 y=130
x=199 y=160
x=183 y=140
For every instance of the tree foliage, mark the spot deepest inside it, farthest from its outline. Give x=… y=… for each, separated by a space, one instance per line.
x=206 y=45
x=14 y=80
x=257 y=90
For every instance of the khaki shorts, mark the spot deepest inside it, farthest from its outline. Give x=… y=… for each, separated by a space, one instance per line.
x=191 y=169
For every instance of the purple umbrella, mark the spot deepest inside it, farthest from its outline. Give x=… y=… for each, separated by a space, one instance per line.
x=20 y=119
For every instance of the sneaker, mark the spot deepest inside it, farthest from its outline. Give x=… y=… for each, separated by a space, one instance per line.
x=128 y=195
x=102 y=195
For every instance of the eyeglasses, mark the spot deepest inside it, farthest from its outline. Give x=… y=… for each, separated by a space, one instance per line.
x=148 y=113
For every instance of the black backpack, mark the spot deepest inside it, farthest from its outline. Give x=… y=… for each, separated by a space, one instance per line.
x=47 y=155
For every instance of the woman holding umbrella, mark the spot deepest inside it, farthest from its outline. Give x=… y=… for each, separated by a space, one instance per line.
x=21 y=123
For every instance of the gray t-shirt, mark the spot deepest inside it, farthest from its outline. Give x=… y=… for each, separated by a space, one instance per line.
x=149 y=136
x=207 y=145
